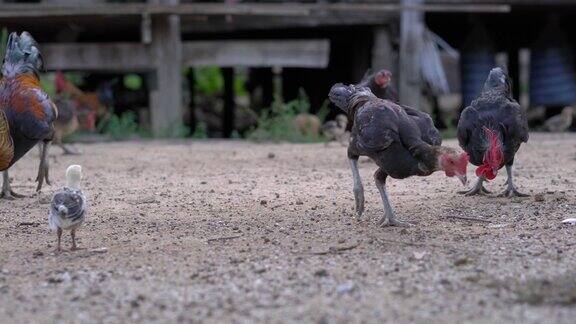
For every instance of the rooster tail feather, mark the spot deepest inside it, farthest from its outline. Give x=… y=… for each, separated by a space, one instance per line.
x=22 y=55
x=6 y=144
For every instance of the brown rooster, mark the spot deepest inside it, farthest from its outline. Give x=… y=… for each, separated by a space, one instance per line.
x=89 y=105
x=27 y=114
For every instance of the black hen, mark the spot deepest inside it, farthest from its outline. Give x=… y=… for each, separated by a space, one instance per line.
x=385 y=132
x=491 y=131
x=380 y=83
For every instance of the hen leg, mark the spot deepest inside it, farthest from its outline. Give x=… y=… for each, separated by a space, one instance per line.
x=7 y=192
x=478 y=189
x=511 y=190
x=389 y=217
x=43 y=168
x=358 y=188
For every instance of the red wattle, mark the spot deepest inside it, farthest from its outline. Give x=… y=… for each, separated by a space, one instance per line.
x=486 y=172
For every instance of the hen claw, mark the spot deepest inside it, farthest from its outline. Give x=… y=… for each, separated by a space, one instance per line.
x=475 y=191
x=10 y=195
x=511 y=193
x=386 y=221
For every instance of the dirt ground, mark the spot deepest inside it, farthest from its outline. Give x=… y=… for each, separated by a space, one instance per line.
x=231 y=231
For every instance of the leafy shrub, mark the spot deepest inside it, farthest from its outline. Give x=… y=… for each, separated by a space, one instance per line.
x=122 y=127
x=277 y=123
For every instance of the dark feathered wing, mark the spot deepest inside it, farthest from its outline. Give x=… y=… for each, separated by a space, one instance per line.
x=6 y=144
x=430 y=133
x=517 y=123
x=375 y=128
x=465 y=126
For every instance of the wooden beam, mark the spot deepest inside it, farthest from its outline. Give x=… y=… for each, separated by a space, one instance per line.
x=226 y=53
x=240 y=9
x=131 y=9
x=98 y=57
x=411 y=39
x=258 y=53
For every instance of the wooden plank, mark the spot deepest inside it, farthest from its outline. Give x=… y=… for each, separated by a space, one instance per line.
x=138 y=57
x=128 y=9
x=411 y=39
x=258 y=53
x=97 y=57
x=240 y=9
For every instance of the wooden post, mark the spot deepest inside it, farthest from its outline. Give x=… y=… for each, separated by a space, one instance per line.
x=382 y=53
x=411 y=39
x=229 y=104
x=166 y=96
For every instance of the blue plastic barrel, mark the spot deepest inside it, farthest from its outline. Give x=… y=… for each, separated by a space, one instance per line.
x=552 y=77
x=475 y=67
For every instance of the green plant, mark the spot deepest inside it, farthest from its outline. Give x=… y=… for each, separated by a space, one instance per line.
x=201 y=131
x=177 y=130
x=240 y=79
x=3 y=41
x=209 y=80
x=47 y=83
x=277 y=123
x=323 y=111
x=122 y=127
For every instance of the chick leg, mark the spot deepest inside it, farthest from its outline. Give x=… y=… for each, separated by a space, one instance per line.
x=478 y=189
x=59 y=246
x=389 y=217
x=43 y=168
x=358 y=188
x=7 y=192
x=73 y=235
x=511 y=190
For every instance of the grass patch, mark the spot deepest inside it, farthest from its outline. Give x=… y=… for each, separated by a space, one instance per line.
x=277 y=123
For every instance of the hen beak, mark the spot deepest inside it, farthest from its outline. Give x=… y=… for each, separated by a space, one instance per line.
x=462 y=178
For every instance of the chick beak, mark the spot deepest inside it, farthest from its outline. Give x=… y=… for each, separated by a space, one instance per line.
x=462 y=178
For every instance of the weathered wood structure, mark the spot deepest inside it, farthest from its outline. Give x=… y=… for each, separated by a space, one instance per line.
x=315 y=42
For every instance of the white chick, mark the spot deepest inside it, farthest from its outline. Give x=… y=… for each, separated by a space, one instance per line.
x=68 y=207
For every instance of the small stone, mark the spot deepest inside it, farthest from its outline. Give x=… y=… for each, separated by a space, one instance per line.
x=539 y=197
x=461 y=261
x=321 y=273
x=345 y=287
x=271 y=155
x=263 y=202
